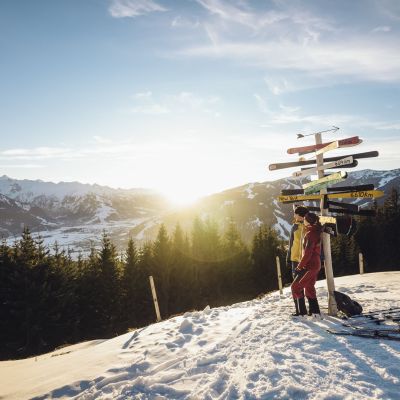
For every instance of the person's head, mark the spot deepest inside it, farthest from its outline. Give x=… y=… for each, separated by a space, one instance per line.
x=300 y=212
x=311 y=219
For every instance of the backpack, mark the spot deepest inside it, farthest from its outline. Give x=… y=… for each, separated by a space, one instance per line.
x=346 y=305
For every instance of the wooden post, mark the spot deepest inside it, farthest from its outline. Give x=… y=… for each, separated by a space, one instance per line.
x=153 y=291
x=278 y=269
x=326 y=240
x=361 y=262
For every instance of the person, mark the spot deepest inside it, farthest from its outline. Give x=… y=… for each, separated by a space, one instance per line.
x=295 y=249
x=308 y=268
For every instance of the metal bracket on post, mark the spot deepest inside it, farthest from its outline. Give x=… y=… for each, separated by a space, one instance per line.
x=326 y=239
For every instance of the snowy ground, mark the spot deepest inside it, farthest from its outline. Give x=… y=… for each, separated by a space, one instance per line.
x=251 y=350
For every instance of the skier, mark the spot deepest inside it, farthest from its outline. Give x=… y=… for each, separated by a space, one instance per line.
x=295 y=249
x=308 y=268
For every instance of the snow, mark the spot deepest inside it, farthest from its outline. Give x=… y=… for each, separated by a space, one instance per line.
x=249 y=191
x=26 y=190
x=282 y=227
x=250 y=350
x=387 y=177
x=255 y=222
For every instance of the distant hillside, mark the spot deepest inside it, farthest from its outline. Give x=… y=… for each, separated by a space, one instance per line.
x=75 y=214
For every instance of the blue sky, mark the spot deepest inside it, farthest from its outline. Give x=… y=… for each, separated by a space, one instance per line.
x=191 y=97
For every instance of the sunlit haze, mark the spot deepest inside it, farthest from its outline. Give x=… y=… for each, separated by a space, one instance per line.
x=191 y=98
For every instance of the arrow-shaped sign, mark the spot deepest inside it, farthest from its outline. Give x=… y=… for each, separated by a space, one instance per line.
x=325 y=181
x=367 y=194
x=335 y=164
x=330 y=146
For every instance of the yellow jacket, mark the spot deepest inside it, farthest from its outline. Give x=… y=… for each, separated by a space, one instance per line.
x=295 y=242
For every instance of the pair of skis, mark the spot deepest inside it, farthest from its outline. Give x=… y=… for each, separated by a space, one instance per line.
x=359 y=328
x=369 y=333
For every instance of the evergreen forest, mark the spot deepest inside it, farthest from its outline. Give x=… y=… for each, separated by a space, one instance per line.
x=49 y=299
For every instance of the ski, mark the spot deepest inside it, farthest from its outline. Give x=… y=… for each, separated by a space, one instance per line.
x=361 y=213
x=346 y=206
x=366 y=334
x=292 y=164
x=390 y=310
x=319 y=184
x=367 y=194
x=362 y=326
x=351 y=141
x=357 y=188
x=334 y=164
x=351 y=165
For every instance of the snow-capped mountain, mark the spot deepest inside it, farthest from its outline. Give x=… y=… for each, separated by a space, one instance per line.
x=255 y=204
x=71 y=212
x=250 y=350
x=75 y=214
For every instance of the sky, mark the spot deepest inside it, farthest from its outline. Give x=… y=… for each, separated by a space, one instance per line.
x=192 y=97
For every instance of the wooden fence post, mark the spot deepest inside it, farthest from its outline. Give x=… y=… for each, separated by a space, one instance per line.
x=278 y=269
x=361 y=262
x=153 y=291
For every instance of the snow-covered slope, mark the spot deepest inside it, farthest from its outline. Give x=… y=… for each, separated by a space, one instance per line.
x=251 y=350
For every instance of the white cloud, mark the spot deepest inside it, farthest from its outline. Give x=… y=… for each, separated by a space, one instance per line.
x=150 y=109
x=173 y=103
x=382 y=29
x=291 y=39
x=102 y=140
x=133 y=8
x=363 y=59
x=182 y=22
x=261 y=103
x=35 y=153
x=27 y=166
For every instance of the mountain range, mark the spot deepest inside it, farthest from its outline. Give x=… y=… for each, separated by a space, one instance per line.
x=75 y=214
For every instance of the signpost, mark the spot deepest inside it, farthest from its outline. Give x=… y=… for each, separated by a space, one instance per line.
x=320 y=190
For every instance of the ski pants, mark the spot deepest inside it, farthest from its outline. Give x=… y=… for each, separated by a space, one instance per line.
x=305 y=280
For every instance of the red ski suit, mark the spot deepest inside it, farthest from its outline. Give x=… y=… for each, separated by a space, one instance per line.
x=310 y=264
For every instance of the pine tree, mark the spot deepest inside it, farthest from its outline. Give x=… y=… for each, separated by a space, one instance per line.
x=236 y=271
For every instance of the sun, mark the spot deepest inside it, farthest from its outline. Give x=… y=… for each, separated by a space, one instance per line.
x=182 y=196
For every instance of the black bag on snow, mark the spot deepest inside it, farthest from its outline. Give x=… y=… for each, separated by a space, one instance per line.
x=346 y=305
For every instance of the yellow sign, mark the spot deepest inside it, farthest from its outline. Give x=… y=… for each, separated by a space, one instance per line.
x=367 y=194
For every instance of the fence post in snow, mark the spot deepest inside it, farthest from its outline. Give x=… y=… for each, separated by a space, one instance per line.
x=278 y=269
x=361 y=262
x=153 y=291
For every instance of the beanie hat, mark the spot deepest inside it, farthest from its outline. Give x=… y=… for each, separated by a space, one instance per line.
x=311 y=218
x=301 y=211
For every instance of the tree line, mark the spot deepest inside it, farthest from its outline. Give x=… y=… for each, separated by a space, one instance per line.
x=48 y=299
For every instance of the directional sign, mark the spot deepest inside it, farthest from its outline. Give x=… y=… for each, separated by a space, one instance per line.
x=364 y=213
x=327 y=220
x=352 y=141
x=356 y=188
x=335 y=164
x=318 y=187
x=356 y=156
x=337 y=176
x=330 y=146
x=367 y=194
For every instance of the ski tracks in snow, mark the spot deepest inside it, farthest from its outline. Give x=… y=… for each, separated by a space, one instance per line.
x=250 y=351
